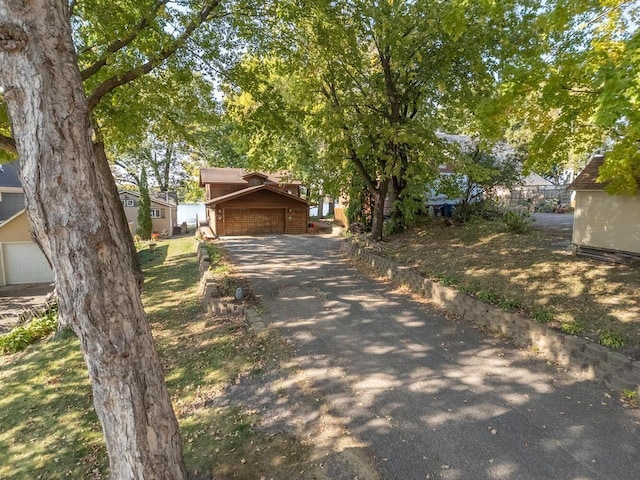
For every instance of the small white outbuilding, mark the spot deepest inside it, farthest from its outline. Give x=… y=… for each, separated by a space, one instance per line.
x=604 y=222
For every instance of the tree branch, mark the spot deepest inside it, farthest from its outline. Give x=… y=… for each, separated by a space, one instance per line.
x=123 y=42
x=331 y=95
x=7 y=144
x=581 y=90
x=117 y=80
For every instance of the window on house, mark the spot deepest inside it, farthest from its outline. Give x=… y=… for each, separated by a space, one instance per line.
x=156 y=213
x=129 y=203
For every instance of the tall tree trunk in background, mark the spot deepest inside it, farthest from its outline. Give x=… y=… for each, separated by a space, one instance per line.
x=377 y=217
x=162 y=168
x=332 y=206
x=320 y=203
x=77 y=217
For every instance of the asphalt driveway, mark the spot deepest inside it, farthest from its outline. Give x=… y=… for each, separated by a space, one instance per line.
x=561 y=223
x=432 y=397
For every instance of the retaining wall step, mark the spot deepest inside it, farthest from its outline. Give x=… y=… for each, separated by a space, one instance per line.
x=590 y=359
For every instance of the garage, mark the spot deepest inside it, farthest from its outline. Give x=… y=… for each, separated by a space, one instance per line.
x=254 y=221
x=258 y=210
x=24 y=263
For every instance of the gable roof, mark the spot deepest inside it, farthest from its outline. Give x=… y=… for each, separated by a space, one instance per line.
x=10 y=176
x=587 y=178
x=151 y=197
x=535 y=180
x=246 y=191
x=238 y=176
x=13 y=217
x=255 y=174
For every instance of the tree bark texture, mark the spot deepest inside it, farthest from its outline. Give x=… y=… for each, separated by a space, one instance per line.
x=377 y=217
x=76 y=216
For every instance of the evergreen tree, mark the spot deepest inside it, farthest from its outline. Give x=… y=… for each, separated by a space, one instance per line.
x=144 y=208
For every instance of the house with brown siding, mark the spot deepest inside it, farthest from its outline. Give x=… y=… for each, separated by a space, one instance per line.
x=609 y=223
x=239 y=202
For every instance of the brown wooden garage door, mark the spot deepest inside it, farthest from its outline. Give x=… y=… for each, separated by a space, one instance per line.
x=253 y=221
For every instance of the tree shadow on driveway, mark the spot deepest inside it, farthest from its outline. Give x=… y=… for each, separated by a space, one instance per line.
x=430 y=397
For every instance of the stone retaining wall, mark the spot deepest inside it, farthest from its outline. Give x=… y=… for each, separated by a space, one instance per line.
x=207 y=287
x=595 y=361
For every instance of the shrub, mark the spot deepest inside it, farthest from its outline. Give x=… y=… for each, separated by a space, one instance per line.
x=483 y=210
x=543 y=316
x=393 y=225
x=611 y=339
x=517 y=222
x=22 y=336
x=548 y=206
x=487 y=296
x=446 y=280
x=509 y=303
x=571 y=328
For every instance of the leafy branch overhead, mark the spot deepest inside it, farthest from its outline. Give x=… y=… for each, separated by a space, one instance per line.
x=119 y=43
x=373 y=84
x=580 y=93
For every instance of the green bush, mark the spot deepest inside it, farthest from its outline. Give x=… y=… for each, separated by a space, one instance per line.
x=543 y=316
x=509 y=303
x=517 y=222
x=611 y=339
x=476 y=211
x=446 y=280
x=548 y=206
x=572 y=328
x=24 y=335
x=487 y=296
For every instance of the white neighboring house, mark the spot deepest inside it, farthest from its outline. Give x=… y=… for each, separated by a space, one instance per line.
x=500 y=151
x=164 y=211
x=21 y=260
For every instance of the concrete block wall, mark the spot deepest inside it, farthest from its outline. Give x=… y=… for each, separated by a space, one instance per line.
x=207 y=287
x=594 y=361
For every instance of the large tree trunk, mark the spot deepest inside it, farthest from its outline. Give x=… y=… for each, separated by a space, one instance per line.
x=76 y=216
x=377 y=220
x=320 y=203
x=332 y=207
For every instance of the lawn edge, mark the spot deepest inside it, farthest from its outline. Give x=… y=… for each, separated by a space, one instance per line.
x=593 y=361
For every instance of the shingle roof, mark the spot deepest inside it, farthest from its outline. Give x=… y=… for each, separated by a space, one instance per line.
x=153 y=199
x=535 y=180
x=9 y=176
x=245 y=191
x=587 y=178
x=237 y=176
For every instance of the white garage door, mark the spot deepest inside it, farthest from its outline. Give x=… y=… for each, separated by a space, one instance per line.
x=25 y=263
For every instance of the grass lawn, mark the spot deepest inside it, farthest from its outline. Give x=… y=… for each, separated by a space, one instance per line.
x=48 y=428
x=536 y=274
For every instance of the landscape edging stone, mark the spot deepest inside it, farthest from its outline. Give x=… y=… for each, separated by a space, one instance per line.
x=593 y=361
x=207 y=287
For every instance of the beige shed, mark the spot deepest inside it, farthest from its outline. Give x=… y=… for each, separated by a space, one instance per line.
x=602 y=221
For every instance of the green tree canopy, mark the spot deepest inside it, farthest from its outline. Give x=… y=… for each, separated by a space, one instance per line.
x=149 y=68
x=580 y=94
x=372 y=82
